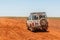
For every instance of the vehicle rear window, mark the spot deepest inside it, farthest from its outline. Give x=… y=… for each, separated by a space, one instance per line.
x=41 y=16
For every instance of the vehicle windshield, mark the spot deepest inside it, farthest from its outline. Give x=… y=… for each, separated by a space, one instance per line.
x=34 y=17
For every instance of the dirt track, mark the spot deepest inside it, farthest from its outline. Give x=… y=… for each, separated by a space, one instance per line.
x=15 y=29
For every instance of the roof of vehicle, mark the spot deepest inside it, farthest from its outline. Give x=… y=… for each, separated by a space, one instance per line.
x=38 y=13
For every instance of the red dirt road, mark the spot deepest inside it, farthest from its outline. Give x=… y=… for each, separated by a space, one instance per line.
x=15 y=29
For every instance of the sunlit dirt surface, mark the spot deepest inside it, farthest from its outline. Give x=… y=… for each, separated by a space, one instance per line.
x=15 y=29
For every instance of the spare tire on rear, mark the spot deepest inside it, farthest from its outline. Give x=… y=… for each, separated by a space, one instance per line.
x=44 y=24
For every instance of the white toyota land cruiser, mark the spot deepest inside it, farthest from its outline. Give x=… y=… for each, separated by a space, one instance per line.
x=37 y=21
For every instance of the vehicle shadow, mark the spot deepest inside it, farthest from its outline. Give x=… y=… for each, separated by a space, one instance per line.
x=40 y=31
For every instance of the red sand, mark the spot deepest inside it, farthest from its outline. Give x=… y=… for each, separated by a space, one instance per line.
x=15 y=29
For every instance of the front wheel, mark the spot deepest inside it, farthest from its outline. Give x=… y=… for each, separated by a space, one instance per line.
x=32 y=29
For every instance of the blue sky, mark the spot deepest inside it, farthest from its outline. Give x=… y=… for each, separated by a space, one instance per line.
x=25 y=7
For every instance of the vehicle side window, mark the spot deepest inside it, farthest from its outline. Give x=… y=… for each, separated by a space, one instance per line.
x=34 y=17
x=29 y=18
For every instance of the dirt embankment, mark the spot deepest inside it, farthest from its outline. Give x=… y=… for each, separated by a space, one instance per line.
x=15 y=29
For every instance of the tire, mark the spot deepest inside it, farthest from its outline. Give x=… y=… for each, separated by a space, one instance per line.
x=44 y=28
x=32 y=29
x=44 y=24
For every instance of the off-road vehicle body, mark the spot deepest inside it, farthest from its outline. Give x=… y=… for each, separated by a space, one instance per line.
x=37 y=21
